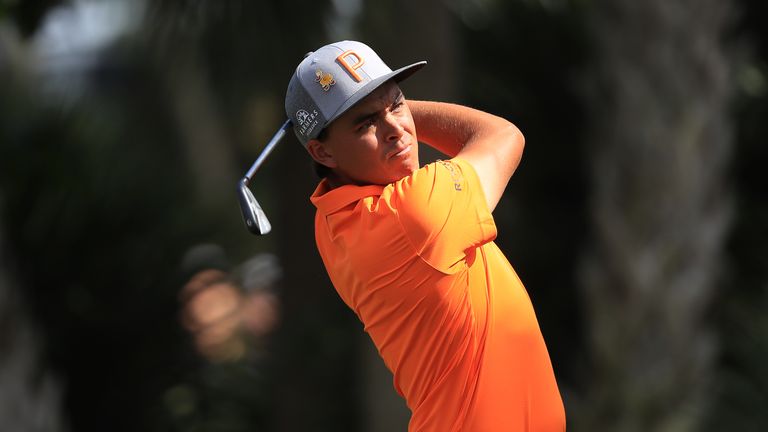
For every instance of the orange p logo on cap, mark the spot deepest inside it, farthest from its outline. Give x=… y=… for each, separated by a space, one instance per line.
x=351 y=68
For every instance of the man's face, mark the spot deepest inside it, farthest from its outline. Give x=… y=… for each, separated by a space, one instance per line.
x=374 y=142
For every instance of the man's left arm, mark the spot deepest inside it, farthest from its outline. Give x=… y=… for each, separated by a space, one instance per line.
x=491 y=144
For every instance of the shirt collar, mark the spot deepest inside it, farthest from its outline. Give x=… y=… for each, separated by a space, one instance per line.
x=329 y=200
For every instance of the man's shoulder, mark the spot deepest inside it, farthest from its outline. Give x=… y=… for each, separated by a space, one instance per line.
x=432 y=185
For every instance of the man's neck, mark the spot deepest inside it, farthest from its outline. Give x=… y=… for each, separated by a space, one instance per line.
x=337 y=180
x=334 y=181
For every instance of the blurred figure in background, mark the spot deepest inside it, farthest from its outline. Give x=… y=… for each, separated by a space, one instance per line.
x=228 y=312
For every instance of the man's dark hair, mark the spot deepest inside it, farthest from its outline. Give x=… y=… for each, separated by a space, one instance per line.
x=321 y=170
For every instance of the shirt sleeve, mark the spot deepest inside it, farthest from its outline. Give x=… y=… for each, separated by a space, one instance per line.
x=444 y=214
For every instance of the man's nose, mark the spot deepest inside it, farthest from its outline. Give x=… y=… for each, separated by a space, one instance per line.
x=393 y=130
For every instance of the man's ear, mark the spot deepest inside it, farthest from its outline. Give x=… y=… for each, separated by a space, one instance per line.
x=319 y=153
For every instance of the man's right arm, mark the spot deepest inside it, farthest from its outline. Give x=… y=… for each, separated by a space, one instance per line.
x=492 y=145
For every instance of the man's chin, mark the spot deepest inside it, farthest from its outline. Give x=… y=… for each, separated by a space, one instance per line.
x=407 y=171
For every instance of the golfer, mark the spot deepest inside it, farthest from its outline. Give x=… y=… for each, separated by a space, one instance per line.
x=410 y=249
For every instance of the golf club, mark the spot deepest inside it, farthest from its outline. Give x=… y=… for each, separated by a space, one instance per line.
x=255 y=219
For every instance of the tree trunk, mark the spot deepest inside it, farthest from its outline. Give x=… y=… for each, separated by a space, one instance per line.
x=661 y=142
x=30 y=397
x=203 y=136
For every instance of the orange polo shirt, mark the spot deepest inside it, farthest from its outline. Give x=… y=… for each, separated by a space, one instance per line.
x=416 y=262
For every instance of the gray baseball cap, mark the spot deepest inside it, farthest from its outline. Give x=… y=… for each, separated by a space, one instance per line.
x=331 y=80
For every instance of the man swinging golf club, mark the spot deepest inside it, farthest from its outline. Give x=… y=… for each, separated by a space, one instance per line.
x=410 y=249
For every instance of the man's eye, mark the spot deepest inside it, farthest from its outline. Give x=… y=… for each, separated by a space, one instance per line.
x=366 y=124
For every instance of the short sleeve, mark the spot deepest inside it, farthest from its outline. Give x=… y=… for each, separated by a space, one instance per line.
x=444 y=214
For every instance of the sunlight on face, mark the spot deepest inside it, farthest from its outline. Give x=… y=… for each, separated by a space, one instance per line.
x=375 y=141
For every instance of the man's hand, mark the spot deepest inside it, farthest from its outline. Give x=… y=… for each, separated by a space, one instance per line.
x=492 y=145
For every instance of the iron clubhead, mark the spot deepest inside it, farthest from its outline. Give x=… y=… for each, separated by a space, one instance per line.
x=255 y=219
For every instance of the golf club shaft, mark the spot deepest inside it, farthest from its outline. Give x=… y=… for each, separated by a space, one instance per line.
x=267 y=150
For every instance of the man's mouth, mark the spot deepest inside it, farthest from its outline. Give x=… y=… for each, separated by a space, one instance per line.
x=401 y=152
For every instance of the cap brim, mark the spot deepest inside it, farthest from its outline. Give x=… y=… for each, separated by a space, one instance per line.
x=397 y=75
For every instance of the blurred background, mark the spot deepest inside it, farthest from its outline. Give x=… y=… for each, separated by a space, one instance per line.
x=133 y=299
